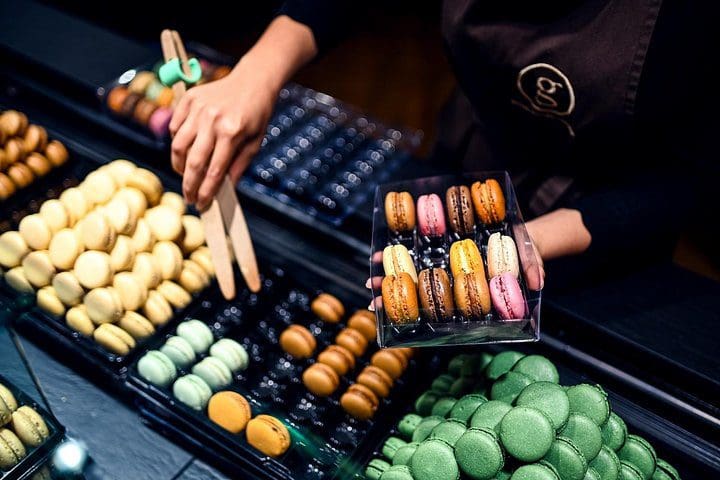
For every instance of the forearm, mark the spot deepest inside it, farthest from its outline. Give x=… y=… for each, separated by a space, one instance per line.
x=559 y=233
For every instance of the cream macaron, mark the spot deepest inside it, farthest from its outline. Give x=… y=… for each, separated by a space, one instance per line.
x=120 y=170
x=134 y=199
x=78 y=319
x=148 y=183
x=157 y=309
x=35 y=231
x=202 y=257
x=38 y=268
x=103 y=305
x=65 y=247
x=169 y=258
x=15 y=277
x=174 y=201
x=147 y=268
x=114 y=339
x=143 y=239
x=194 y=236
x=118 y=214
x=164 y=222
x=97 y=233
x=76 y=204
x=98 y=187
x=93 y=269
x=13 y=248
x=68 y=288
x=55 y=215
x=132 y=290
x=136 y=325
x=49 y=302
x=192 y=277
x=122 y=255
x=176 y=295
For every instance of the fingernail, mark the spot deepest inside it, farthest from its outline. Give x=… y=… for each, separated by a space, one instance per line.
x=371 y=307
x=368 y=284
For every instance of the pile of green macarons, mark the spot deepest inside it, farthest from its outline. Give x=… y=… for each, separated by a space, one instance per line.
x=507 y=417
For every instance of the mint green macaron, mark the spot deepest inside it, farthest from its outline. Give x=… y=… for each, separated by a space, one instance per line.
x=397 y=472
x=508 y=387
x=591 y=474
x=640 y=453
x=537 y=367
x=614 y=432
x=231 y=353
x=628 y=471
x=442 y=384
x=456 y=364
x=179 y=351
x=449 y=430
x=489 y=414
x=425 y=403
x=567 y=459
x=591 y=401
x=466 y=406
x=478 y=454
x=462 y=386
x=443 y=406
x=198 y=335
x=665 y=471
x=550 y=398
x=391 y=445
x=502 y=363
x=585 y=434
x=375 y=468
x=475 y=365
x=404 y=453
x=215 y=373
x=157 y=368
x=606 y=464
x=408 y=424
x=422 y=432
x=434 y=460
x=526 y=433
x=192 y=391
x=535 y=471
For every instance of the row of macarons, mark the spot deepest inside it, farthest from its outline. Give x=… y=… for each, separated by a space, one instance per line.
x=26 y=153
x=531 y=428
x=112 y=256
x=408 y=296
x=21 y=428
x=486 y=199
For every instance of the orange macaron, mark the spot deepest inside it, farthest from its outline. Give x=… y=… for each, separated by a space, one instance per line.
x=364 y=322
x=376 y=379
x=360 y=402
x=321 y=379
x=230 y=410
x=269 y=435
x=298 y=341
x=353 y=340
x=338 y=358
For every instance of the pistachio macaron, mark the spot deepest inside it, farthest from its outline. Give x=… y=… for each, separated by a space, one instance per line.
x=548 y=397
x=526 y=433
x=443 y=406
x=606 y=463
x=590 y=400
x=490 y=414
x=269 y=435
x=391 y=446
x=584 y=433
x=215 y=373
x=535 y=471
x=479 y=454
x=538 y=368
x=639 y=453
x=179 y=351
x=466 y=406
x=614 y=432
x=157 y=368
x=197 y=334
x=449 y=430
x=567 y=459
x=434 y=459
x=422 y=431
x=408 y=424
x=231 y=353
x=665 y=471
x=509 y=386
x=375 y=468
x=502 y=363
x=192 y=391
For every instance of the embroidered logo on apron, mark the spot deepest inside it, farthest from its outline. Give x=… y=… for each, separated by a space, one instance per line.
x=546 y=92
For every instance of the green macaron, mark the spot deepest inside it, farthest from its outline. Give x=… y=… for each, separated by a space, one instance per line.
x=501 y=364
x=404 y=454
x=478 y=454
x=442 y=384
x=665 y=471
x=614 y=432
x=503 y=475
x=526 y=433
x=215 y=373
x=198 y=335
x=591 y=401
x=375 y=468
x=443 y=406
x=466 y=406
x=192 y=391
x=567 y=459
x=391 y=446
x=456 y=364
x=508 y=387
x=179 y=351
x=157 y=368
x=462 y=386
x=606 y=464
x=591 y=474
x=434 y=460
x=408 y=424
x=550 y=398
x=231 y=353
x=475 y=365
x=584 y=433
x=489 y=414
x=628 y=471
x=449 y=430
x=425 y=403
x=640 y=453
x=422 y=432
x=397 y=472
x=537 y=367
x=535 y=471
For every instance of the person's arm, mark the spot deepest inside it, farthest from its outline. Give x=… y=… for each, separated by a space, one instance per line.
x=218 y=127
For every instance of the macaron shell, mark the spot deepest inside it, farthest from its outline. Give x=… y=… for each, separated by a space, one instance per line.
x=606 y=464
x=179 y=351
x=614 y=432
x=640 y=453
x=197 y=334
x=479 y=454
x=400 y=211
x=404 y=454
x=508 y=387
x=397 y=472
x=535 y=471
x=526 y=433
x=489 y=201
x=352 y=340
x=364 y=322
x=434 y=460
x=391 y=446
x=431 y=216
x=550 y=398
x=230 y=410
x=489 y=414
x=268 y=435
x=375 y=468
x=567 y=459
x=590 y=400
x=298 y=341
x=376 y=380
x=320 y=379
x=537 y=367
x=215 y=373
x=583 y=432
x=665 y=471
x=390 y=363
x=472 y=294
x=436 y=295
x=443 y=406
x=359 y=402
x=422 y=432
x=628 y=471
x=449 y=430
x=338 y=358
x=465 y=257
x=507 y=297
x=502 y=363
x=466 y=406
x=231 y=353
x=328 y=308
x=408 y=424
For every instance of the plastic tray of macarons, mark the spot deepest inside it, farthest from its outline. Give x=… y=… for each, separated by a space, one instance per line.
x=453 y=263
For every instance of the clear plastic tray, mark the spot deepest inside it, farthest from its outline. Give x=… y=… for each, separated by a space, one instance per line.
x=435 y=253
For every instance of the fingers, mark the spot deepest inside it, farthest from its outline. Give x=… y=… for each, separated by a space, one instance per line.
x=377 y=257
x=242 y=159
x=197 y=161
x=376 y=304
x=217 y=168
x=182 y=109
x=374 y=283
x=184 y=138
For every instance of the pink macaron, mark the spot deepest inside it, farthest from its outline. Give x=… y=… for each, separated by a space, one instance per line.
x=507 y=297
x=431 y=216
x=160 y=120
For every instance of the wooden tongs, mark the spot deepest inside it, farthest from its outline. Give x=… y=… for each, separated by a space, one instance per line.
x=224 y=214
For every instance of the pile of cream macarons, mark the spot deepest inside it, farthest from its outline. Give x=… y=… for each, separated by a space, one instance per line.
x=113 y=256
x=507 y=417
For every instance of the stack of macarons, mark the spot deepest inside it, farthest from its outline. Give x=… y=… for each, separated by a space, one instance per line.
x=22 y=429
x=113 y=256
x=25 y=152
x=142 y=98
x=507 y=417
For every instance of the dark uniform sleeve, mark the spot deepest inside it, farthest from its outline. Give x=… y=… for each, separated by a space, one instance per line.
x=329 y=20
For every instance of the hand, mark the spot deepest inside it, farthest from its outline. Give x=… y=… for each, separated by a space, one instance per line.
x=217 y=128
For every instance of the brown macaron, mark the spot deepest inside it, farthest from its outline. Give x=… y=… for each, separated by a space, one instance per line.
x=328 y=308
x=129 y=104
x=400 y=211
x=116 y=98
x=20 y=174
x=144 y=110
x=392 y=362
x=436 y=296
x=489 y=201
x=13 y=123
x=376 y=379
x=352 y=340
x=7 y=187
x=472 y=294
x=320 y=379
x=39 y=165
x=360 y=402
x=298 y=341
x=400 y=298
x=460 y=210
x=364 y=322
x=56 y=153
x=338 y=358
x=14 y=150
x=36 y=138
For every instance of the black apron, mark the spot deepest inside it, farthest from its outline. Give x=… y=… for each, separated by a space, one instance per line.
x=547 y=84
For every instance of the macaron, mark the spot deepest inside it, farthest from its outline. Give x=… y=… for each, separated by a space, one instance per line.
x=638 y=452
x=425 y=427
x=179 y=351
x=65 y=247
x=391 y=446
x=269 y=435
x=98 y=187
x=338 y=358
x=502 y=256
x=103 y=305
x=169 y=258
x=38 y=268
x=55 y=215
x=400 y=300
x=11 y=449
x=78 y=319
x=133 y=291
x=165 y=99
x=132 y=197
x=431 y=216
x=397 y=260
x=114 y=339
x=585 y=434
x=20 y=173
x=537 y=367
x=16 y=278
x=443 y=406
x=352 y=340
x=194 y=233
x=192 y=277
x=359 y=401
x=8 y=404
x=192 y=391
x=507 y=297
x=526 y=434
x=320 y=379
x=165 y=222
x=160 y=119
x=121 y=218
x=508 y=387
x=434 y=459
x=375 y=469
x=466 y=406
x=425 y=402
x=614 y=432
x=14 y=153
x=590 y=400
x=38 y=164
x=298 y=341
x=376 y=379
x=665 y=471
x=404 y=454
x=364 y=322
x=535 y=471
x=176 y=296
x=36 y=232
x=143 y=111
x=141 y=82
x=35 y=138
x=157 y=368
x=479 y=454
x=464 y=385
x=215 y=373
x=157 y=309
x=328 y=308
x=390 y=361
x=628 y=471
x=460 y=210
x=7 y=186
x=142 y=238
x=12 y=249
x=202 y=257
x=449 y=430
x=154 y=89
x=502 y=363
x=591 y=474
x=76 y=203
x=197 y=334
x=442 y=383
x=472 y=295
x=147 y=268
x=120 y=170
x=436 y=295
x=465 y=257
x=56 y=153
x=489 y=201
x=408 y=424
x=606 y=464
x=49 y=302
x=116 y=97
x=400 y=211
x=231 y=353
x=97 y=233
x=230 y=410
x=136 y=325
x=550 y=398
x=567 y=459
x=147 y=182
x=13 y=122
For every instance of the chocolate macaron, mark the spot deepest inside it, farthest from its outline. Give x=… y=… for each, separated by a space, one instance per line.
x=436 y=296
x=460 y=210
